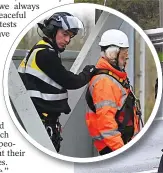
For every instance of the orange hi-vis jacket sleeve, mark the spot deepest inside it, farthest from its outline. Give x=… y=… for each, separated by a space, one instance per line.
x=107 y=98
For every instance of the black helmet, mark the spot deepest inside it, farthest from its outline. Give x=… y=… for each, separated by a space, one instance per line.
x=62 y=20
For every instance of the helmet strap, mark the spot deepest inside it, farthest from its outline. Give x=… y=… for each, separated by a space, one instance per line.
x=56 y=46
x=54 y=43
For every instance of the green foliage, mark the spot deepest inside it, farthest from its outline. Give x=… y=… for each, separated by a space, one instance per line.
x=90 y=1
x=144 y=12
x=160 y=54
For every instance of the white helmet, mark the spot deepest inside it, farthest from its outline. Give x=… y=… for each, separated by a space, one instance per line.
x=114 y=37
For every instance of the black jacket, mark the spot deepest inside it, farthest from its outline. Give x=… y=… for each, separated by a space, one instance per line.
x=49 y=62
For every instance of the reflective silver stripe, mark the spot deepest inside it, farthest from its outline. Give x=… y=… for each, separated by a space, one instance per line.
x=106 y=134
x=110 y=133
x=49 y=97
x=21 y=69
x=106 y=103
x=124 y=93
x=91 y=87
x=34 y=52
x=37 y=73
x=97 y=138
x=123 y=100
x=33 y=55
x=52 y=49
x=42 y=76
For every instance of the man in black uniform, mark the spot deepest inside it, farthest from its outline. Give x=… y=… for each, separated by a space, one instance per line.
x=44 y=76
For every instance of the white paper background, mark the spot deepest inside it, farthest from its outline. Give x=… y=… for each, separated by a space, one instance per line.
x=34 y=160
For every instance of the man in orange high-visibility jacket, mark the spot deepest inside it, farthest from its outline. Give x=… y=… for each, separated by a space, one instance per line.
x=112 y=118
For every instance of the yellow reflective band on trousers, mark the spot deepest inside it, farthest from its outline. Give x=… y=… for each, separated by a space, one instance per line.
x=50 y=97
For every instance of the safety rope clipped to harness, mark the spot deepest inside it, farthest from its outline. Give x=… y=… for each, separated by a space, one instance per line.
x=138 y=107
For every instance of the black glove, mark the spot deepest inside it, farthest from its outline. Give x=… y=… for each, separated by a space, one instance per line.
x=89 y=70
x=87 y=73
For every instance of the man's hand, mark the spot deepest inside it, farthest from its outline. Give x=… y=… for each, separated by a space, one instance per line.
x=89 y=71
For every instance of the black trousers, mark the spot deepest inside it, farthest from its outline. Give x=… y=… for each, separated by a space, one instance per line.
x=160 y=168
x=53 y=127
x=104 y=151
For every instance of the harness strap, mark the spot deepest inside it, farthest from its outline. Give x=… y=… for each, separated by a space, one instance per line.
x=124 y=83
x=127 y=106
x=89 y=100
x=88 y=96
x=128 y=109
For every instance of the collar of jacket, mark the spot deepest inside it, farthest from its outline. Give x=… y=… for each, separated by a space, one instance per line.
x=51 y=43
x=103 y=64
